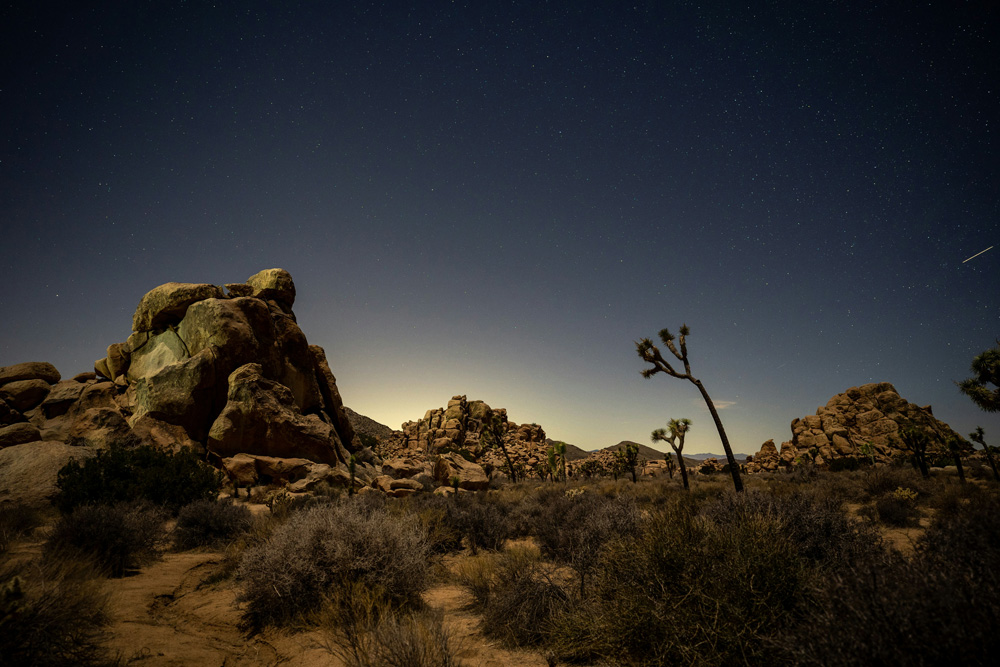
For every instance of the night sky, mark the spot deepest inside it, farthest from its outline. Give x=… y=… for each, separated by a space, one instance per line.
x=497 y=198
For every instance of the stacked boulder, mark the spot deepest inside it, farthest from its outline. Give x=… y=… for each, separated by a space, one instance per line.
x=862 y=421
x=222 y=371
x=447 y=445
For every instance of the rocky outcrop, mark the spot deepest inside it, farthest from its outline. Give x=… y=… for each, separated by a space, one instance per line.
x=223 y=372
x=862 y=421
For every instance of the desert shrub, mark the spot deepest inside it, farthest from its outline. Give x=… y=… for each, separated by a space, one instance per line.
x=16 y=519
x=53 y=614
x=118 y=537
x=885 y=479
x=481 y=522
x=126 y=474
x=317 y=552
x=819 y=529
x=439 y=518
x=515 y=594
x=897 y=508
x=575 y=529
x=209 y=522
x=689 y=589
x=940 y=607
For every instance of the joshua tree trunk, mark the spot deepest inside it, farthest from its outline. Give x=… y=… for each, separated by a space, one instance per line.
x=734 y=468
x=957 y=454
x=993 y=464
x=684 y=470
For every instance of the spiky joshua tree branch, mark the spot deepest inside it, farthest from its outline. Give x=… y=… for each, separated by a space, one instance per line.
x=651 y=354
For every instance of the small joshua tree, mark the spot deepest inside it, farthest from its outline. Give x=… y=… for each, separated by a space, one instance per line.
x=678 y=428
x=670 y=465
x=557 y=461
x=627 y=458
x=492 y=437
x=978 y=436
x=651 y=354
x=915 y=441
x=986 y=368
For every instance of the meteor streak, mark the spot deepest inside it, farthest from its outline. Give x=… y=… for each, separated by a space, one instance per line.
x=978 y=254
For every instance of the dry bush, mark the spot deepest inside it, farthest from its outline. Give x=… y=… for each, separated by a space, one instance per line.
x=940 y=607
x=318 y=551
x=885 y=479
x=575 y=529
x=515 y=594
x=52 y=613
x=482 y=522
x=708 y=587
x=210 y=523
x=16 y=519
x=118 y=537
x=363 y=630
x=438 y=516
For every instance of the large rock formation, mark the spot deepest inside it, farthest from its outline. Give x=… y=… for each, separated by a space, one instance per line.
x=867 y=416
x=223 y=370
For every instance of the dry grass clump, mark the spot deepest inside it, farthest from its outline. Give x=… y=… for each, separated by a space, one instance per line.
x=364 y=630
x=515 y=593
x=52 y=613
x=318 y=551
x=210 y=523
x=117 y=537
x=482 y=522
x=16 y=520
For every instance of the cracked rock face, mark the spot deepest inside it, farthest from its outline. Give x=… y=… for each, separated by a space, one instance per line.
x=862 y=419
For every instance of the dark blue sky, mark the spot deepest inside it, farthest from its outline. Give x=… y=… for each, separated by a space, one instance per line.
x=497 y=198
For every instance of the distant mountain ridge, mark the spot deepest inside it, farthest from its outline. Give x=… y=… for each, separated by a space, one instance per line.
x=740 y=458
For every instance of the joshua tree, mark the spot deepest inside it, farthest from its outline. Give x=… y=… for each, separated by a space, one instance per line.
x=670 y=465
x=915 y=441
x=979 y=436
x=986 y=367
x=627 y=458
x=557 y=461
x=650 y=354
x=678 y=428
x=956 y=452
x=492 y=436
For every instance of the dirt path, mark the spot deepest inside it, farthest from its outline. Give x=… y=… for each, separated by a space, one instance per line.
x=473 y=648
x=167 y=616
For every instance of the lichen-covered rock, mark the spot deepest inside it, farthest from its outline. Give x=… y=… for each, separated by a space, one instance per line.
x=166 y=304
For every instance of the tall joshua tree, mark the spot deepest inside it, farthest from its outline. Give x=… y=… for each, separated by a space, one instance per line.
x=650 y=354
x=986 y=368
x=492 y=436
x=678 y=428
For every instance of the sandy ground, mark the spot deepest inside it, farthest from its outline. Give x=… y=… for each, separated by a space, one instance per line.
x=167 y=615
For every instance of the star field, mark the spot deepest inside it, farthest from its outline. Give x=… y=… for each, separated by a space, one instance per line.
x=497 y=198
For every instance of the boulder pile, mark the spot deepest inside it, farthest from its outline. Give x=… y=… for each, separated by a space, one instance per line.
x=862 y=421
x=225 y=371
x=447 y=444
